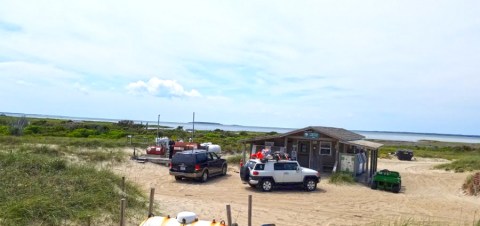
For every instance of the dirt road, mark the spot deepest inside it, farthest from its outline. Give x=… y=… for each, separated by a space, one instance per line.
x=428 y=196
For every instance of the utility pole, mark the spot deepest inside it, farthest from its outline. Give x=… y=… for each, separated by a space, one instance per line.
x=193 y=131
x=158 y=125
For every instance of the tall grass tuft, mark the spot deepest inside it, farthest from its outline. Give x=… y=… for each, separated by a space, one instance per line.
x=234 y=159
x=341 y=178
x=469 y=185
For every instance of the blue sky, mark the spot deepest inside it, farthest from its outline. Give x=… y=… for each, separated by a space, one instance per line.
x=361 y=65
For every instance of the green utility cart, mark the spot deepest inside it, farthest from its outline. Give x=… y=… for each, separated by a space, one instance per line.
x=387 y=180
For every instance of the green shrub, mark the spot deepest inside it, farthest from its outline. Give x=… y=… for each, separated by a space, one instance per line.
x=82 y=132
x=32 y=129
x=4 y=130
x=341 y=178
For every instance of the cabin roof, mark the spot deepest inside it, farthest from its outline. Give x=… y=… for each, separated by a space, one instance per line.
x=337 y=133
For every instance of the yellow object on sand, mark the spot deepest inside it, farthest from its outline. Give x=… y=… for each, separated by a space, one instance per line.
x=168 y=221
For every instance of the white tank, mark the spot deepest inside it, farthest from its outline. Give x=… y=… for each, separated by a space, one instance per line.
x=214 y=148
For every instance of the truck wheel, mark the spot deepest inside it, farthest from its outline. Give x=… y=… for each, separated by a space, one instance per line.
x=204 y=176
x=310 y=184
x=396 y=188
x=247 y=174
x=266 y=185
x=178 y=178
x=224 y=170
x=373 y=185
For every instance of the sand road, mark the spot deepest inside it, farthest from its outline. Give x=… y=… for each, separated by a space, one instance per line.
x=428 y=196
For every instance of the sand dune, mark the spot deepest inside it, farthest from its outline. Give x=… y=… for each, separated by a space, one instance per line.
x=427 y=195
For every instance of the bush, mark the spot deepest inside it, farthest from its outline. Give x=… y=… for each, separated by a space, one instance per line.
x=32 y=129
x=341 y=178
x=4 y=130
x=82 y=133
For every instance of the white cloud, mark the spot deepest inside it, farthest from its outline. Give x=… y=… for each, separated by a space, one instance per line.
x=345 y=63
x=162 y=88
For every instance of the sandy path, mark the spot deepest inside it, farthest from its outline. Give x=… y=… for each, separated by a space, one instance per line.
x=427 y=195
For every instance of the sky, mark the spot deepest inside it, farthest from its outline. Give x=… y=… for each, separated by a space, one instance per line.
x=403 y=65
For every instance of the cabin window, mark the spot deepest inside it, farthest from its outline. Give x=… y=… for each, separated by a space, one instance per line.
x=325 y=148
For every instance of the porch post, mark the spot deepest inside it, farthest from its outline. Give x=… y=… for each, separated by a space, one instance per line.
x=371 y=164
x=367 y=169
x=337 y=156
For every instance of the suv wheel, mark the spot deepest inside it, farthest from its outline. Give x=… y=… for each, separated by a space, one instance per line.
x=178 y=178
x=224 y=170
x=204 y=176
x=310 y=184
x=266 y=185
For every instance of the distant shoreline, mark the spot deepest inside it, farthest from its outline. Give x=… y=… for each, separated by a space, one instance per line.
x=380 y=135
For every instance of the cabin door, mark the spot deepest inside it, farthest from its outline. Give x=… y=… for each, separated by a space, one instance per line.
x=303 y=154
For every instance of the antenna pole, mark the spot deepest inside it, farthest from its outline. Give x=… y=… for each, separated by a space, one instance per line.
x=158 y=125
x=193 y=131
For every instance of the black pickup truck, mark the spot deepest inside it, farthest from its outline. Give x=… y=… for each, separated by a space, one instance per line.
x=197 y=164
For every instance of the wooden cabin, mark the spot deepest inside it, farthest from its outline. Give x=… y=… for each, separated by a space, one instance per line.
x=323 y=149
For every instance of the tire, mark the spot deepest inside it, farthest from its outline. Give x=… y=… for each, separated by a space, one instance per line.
x=310 y=184
x=266 y=185
x=178 y=178
x=204 y=177
x=396 y=188
x=224 y=170
x=247 y=174
x=374 y=185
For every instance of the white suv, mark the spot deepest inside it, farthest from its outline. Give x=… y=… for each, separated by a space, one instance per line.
x=265 y=174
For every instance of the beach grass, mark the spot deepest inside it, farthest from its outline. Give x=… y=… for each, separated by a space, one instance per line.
x=340 y=178
x=464 y=164
x=41 y=186
x=234 y=159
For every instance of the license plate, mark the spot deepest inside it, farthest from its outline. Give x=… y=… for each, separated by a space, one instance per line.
x=182 y=167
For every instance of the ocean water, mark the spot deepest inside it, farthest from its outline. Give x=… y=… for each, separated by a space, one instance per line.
x=381 y=135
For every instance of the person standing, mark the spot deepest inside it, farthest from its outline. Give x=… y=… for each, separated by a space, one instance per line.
x=171 y=146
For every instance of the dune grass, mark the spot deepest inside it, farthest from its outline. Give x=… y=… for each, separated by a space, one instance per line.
x=234 y=159
x=339 y=178
x=41 y=187
x=462 y=165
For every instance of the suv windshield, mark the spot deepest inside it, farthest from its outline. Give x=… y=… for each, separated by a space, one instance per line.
x=189 y=158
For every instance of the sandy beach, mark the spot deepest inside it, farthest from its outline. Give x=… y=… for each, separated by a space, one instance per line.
x=428 y=196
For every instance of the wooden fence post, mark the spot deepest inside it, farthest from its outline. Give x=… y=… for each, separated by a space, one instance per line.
x=229 y=216
x=150 y=206
x=122 y=212
x=249 y=210
x=123 y=186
